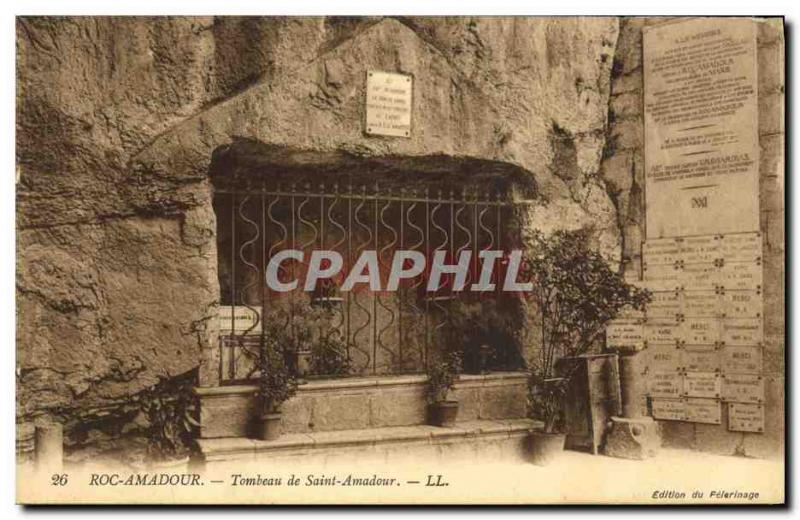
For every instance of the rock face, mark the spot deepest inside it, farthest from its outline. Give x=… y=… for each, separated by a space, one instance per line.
x=118 y=118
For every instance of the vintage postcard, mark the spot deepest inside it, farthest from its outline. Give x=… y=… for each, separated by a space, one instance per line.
x=400 y=260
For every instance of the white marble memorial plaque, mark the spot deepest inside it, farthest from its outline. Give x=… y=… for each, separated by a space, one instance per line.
x=625 y=333
x=701 y=127
x=665 y=304
x=701 y=384
x=700 y=331
x=743 y=388
x=698 y=277
x=665 y=384
x=699 y=250
x=742 y=360
x=661 y=251
x=669 y=409
x=740 y=247
x=741 y=331
x=743 y=417
x=668 y=276
x=741 y=304
x=701 y=304
x=389 y=104
x=740 y=276
x=661 y=331
x=663 y=358
x=703 y=410
x=699 y=359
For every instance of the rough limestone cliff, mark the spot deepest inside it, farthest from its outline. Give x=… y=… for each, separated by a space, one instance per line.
x=118 y=118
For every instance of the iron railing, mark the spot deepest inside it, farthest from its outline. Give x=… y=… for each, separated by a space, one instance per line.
x=377 y=332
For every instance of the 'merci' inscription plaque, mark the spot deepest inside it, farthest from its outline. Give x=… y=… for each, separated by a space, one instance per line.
x=701 y=127
x=663 y=358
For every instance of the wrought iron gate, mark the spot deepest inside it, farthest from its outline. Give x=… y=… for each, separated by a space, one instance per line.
x=376 y=332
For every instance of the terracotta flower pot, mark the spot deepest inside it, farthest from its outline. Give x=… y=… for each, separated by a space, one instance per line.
x=546 y=447
x=268 y=427
x=443 y=413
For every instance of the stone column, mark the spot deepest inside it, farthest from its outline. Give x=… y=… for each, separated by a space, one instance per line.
x=49 y=446
x=632 y=384
x=634 y=435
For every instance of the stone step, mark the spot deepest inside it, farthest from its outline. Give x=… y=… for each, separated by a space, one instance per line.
x=486 y=440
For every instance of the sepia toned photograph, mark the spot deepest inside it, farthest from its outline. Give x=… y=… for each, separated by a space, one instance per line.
x=400 y=260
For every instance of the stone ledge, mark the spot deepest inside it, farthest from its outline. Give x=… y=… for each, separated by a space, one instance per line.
x=302 y=443
x=361 y=403
x=464 y=381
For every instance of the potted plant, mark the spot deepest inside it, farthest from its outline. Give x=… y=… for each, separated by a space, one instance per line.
x=277 y=382
x=442 y=375
x=577 y=294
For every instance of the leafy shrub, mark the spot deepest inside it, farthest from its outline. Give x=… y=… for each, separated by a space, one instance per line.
x=577 y=294
x=169 y=407
x=277 y=382
x=329 y=356
x=442 y=375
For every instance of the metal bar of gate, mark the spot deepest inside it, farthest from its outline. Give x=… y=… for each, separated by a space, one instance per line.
x=442 y=230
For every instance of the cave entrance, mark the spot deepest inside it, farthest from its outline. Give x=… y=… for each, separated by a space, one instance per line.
x=269 y=200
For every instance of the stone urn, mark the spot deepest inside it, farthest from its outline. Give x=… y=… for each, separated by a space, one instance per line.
x=268 y=426
x=546 y=447
x=443 y=413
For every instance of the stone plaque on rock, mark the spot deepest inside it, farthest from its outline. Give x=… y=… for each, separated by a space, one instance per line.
x=701 y=384
x=669 y=409
x=744 y=417
x=701 y=127
x=389 y=104
x=743 y=388
x=700 y=410
x=665 y=384
x=742 y=360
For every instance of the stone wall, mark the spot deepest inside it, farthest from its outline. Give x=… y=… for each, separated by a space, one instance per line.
x=118 y=118
x=623 y=168
x=362 y=403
